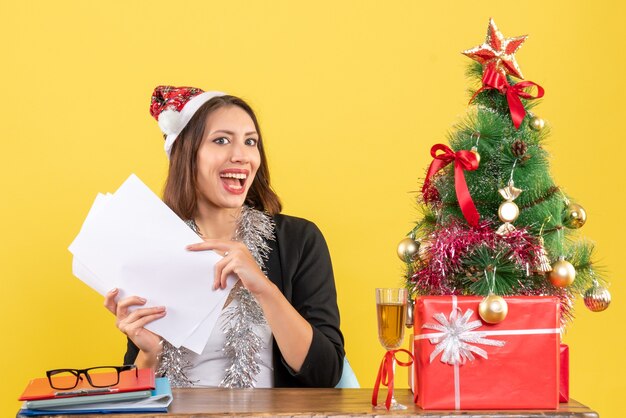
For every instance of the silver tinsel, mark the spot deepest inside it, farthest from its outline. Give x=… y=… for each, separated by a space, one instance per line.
x=172 y=364
x=242 y=345
x=254 y=229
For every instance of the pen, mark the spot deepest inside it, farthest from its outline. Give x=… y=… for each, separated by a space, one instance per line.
x=86 y=391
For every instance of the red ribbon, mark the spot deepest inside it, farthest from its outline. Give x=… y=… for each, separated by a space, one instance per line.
x=513 y=94
x=463 y=160
x=494 y=79
x=385 y=374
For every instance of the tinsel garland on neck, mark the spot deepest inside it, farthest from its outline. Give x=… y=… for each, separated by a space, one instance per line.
x=242 y=345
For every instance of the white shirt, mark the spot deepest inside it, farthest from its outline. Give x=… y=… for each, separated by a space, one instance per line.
x=208 y=368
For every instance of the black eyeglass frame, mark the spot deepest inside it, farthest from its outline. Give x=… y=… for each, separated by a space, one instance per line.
x=78 y=372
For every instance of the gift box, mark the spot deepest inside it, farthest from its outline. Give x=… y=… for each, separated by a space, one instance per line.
x=462 y=362
x=564 y=375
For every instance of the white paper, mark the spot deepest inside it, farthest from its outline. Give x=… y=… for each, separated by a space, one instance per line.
x=201 y=334
x=132 y=241
x=79 y=269
x=82 y=272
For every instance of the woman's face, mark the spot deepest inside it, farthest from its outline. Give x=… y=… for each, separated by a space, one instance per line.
x=228 y=158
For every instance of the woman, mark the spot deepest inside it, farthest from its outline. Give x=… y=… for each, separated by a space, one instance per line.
x=282 y=313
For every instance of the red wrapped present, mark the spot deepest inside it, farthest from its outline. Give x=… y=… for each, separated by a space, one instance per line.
x=462 y=362
x=564 y=375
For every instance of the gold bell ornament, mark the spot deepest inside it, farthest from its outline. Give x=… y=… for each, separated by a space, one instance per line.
x=543 y=261
x=493 y=309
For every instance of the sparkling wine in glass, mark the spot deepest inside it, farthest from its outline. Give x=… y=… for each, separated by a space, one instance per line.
x=391 y=313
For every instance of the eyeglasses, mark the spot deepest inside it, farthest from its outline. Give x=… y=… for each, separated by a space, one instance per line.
x=98 y=377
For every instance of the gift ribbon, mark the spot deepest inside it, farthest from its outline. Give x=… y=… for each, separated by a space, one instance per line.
x=463 y=160
x=438 y=337
x=493 y=79
x=386 y=374
x=457 y=337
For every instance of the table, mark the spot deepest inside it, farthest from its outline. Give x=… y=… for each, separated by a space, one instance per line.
x=318 y=403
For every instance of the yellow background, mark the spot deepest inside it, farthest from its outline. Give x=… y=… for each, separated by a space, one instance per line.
x=351 y=96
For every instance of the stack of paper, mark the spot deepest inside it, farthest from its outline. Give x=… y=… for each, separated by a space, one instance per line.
x=132 y=241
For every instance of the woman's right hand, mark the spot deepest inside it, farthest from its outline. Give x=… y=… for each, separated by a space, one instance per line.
x=132 y=323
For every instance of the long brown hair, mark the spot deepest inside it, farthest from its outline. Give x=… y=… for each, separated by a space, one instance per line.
x=180 y=192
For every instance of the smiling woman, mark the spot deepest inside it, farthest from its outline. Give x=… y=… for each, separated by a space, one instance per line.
x=280 y=324
x=218 y=126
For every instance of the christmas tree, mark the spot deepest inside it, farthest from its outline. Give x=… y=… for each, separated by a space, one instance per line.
x=494 y=221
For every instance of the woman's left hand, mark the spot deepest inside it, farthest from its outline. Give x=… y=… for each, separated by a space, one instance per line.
x=238 y=260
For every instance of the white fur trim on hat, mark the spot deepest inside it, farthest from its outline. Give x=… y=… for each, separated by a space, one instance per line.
x=172 y=122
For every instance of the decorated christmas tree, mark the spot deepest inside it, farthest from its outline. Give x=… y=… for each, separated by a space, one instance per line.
x=494 y=221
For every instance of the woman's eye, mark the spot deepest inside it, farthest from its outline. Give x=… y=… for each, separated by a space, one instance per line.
x=252 y=142
x=221 y=141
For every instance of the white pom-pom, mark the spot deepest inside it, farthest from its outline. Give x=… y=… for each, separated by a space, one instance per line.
x=170 y=122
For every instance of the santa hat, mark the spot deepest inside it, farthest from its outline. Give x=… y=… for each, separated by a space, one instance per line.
x=173 y=108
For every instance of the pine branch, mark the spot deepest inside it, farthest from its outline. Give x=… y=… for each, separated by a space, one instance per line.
x=488 y=272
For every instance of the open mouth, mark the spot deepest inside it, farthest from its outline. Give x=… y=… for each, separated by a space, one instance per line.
x=234 y=181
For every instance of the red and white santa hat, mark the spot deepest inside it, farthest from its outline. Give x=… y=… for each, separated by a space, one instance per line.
x=173 y=108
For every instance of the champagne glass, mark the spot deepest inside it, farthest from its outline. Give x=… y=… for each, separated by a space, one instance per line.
x=391 y=313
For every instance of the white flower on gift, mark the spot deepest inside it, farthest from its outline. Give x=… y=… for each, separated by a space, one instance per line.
x=456 y=338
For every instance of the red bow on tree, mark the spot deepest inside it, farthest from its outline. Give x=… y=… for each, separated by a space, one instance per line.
x=463 y=160
x=494 y=79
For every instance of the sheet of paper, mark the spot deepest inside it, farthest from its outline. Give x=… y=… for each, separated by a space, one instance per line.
x=79 y=269
x=201 y=334
x=88 y=277
x=134 y=242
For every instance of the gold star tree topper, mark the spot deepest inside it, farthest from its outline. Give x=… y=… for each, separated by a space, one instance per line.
x=498 y=52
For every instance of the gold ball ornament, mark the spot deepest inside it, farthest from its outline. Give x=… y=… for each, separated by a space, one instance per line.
x=563 y=273
x=508 y=211
x=408 y=249
x=493 y=309
x=597 y=298
x=474 y=151
x=575 y=216
x=536 y=123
